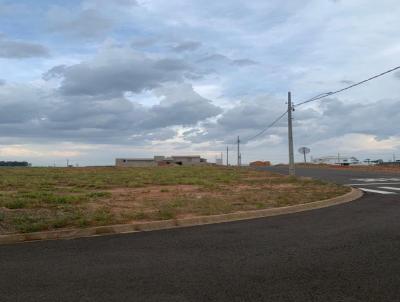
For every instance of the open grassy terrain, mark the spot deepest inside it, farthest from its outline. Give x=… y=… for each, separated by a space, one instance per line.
x=36 y=199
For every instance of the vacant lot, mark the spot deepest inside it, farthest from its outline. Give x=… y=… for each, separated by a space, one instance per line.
x=35 y=199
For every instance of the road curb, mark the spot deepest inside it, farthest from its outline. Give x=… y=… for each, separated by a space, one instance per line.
x=168 y=224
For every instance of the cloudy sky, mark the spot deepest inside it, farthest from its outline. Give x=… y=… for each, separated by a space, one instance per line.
x=92 y=80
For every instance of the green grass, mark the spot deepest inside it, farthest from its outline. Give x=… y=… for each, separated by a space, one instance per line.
x=37 y=199
x=27 y=223
x=106 y=178
x=166 y=213
x=32 y=199
x=16 y=204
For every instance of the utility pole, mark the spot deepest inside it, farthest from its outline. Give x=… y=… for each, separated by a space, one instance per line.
x=227 y=155
x=238 y=151
x=292 y=171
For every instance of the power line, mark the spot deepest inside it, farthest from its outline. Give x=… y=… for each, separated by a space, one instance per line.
x=326 y=94
x=318 y=97
x=254 y=136
x=268 y=127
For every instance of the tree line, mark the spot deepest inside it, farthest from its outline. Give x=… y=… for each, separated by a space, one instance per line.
x=14 y=164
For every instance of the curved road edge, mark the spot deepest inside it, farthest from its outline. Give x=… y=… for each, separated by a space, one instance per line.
x=186 y=222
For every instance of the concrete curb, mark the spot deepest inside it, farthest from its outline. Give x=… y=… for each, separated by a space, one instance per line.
x=167 y=224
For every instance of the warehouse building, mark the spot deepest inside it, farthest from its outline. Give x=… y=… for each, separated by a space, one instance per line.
x=157 y=161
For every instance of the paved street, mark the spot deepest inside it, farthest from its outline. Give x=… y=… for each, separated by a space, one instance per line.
x=378 y=183
x=348 y=252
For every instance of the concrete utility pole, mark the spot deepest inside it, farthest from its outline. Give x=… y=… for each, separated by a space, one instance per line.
x=227 y=155
x=292 y=171
x=238 y=151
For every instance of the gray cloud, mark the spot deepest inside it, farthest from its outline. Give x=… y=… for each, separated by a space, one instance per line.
x=245 y=119
x=2 y=82
x=125 y=2
x=14 y=49
x=116 y=71
x=87 y=24
x=144 y=42
x=219 y=59
x=35 y=115
x=187 y=46
x=339 y=117
x=55 y=72
x=336 y=118
x=19 y=104
x=171 y=65
x=346 y=82
x=181 y=105
x=244 y=62
x=332 y=118
x=103 y=3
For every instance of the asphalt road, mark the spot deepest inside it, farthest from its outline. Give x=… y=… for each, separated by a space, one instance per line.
x=346 y=253
x=379 y=183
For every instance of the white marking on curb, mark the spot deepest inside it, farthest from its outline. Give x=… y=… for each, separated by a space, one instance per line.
x=376 y=191
x=375 y=183
x=376 y=179
x=390 y=188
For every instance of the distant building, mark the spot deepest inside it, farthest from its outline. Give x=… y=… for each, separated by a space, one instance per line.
x=135 y=162
x=336 y=160
x=219 y=161
x=259 y=163
x=157 y=161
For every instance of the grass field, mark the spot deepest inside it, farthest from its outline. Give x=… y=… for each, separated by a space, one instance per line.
x=36 y=199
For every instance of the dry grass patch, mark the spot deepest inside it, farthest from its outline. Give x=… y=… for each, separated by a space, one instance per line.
x=35 y=199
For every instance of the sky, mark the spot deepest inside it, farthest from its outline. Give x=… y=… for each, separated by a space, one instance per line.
x=92 y=80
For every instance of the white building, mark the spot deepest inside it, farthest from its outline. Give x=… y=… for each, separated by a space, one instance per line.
x=156 y=161
x=336 y=160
